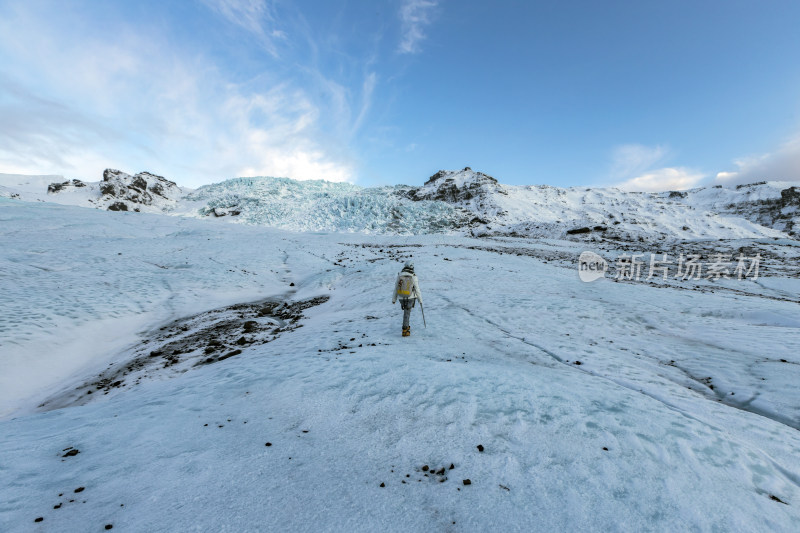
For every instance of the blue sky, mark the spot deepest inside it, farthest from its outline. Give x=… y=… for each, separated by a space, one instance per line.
x=638 y=94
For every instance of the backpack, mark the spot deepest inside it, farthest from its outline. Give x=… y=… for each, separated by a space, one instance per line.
x=405 y=285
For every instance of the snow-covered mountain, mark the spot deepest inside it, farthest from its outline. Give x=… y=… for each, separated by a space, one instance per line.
x=463 y=201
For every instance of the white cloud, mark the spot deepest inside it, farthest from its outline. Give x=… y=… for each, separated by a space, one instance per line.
x=663 y=179
x=76 y=106
x=415 y=16
x=636 y=167
x=781 y=165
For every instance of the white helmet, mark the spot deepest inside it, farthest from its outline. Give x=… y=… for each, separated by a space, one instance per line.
x=409 y=266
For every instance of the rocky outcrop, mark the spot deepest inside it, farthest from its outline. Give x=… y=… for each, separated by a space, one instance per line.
x=781 y=213
x=54 y=188
x=123 y=190
x=456 y=187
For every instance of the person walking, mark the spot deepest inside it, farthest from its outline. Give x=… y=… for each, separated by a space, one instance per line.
x=407 y=289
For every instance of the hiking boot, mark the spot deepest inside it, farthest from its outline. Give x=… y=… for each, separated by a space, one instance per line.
x=406 y=332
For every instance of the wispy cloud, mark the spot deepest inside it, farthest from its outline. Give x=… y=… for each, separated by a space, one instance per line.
x=415 y=17
x=367 y=90
x=636 y=167
x=254 y=16
x=76 y=106
x=782 y=164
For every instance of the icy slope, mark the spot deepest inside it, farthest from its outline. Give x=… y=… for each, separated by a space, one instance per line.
x=603 y=406
x=545 y=211
x=324 y=206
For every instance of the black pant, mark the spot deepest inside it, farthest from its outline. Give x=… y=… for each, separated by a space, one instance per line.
x=406 y=304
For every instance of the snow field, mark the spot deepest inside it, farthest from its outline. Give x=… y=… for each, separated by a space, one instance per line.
x=495 y=367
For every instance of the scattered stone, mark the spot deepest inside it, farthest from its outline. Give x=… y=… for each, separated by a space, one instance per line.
x=109 y=526
x=776 y=499
x=577 y=363
x=73 y=452
x=291 y=284
x=452 y=466
x=268 y=444
x=118 y=206
x=383 y=484
x=39 y=519
x=80 y=489
x=605 y=449
x=480 y=447
x=425 y=468
x=440 y=472
x=467 y=482
x=57 y=506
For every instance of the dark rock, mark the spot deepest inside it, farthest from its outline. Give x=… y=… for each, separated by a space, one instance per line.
x=776 y=499
x=39 y=519
x=480 y=447
x=109 y=526
x=425 y=468
x=577 y=363
x=118 y=206
x=157 y=188
x=452 y=466
x=80 y=489
x=56 y=187
x=139 y=183
x=790 y=196
x=467 y=482
x=605 y=449
x=229 y=354
x=108 y=188
x=250 y=326
x=57 y=506
x=383 y=485
x=577 y=231
x=72 y=453
x=268 y=444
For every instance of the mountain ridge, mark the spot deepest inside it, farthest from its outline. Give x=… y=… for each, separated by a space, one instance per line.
x=463 y=200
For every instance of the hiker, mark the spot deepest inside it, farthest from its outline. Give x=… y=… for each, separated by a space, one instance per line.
x=407 y=289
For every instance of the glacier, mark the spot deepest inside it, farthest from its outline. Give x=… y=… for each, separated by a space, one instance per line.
x=617 y=405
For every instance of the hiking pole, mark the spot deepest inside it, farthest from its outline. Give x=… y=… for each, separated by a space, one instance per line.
x=421 y=309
